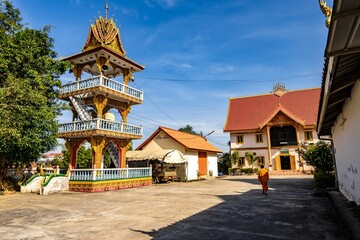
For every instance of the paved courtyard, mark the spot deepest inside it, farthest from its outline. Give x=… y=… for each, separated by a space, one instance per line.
x=226 y=208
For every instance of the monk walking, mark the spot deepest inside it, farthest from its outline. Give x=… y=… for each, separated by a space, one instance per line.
x=263 y=177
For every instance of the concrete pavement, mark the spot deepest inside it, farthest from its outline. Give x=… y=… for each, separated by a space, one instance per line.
x=226 y=208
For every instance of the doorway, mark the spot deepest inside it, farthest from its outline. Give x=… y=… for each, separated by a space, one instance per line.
x=285 y=162
x=202 y=163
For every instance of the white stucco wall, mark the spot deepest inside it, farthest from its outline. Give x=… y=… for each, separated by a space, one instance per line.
x=251 y=144
x=346 y=136
x=163 y=141
x=32 y=187
x=212 y=163
x=249 y=140
x=302 y=135
x=193 y=164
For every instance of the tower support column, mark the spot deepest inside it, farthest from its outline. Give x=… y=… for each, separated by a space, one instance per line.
x=97 y=146
x=72 y=146
x=100 y=102
x=124 y=110
x=125 y=145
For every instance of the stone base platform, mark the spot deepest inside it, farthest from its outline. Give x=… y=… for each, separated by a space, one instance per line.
x=108 y=185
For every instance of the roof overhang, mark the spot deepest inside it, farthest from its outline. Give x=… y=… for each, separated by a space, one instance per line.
x=344 y=32
x=284 y=111
x=117 y=61
x=342 y=63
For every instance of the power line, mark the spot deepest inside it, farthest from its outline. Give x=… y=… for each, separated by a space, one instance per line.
x=152 y=120
x=229 y=80
x=161 y=109
x=225 y=145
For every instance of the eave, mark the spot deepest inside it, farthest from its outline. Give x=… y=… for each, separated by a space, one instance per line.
x=115 y=58
x=342 y=63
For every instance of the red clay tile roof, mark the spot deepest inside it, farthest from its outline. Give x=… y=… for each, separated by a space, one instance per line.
x=252 y=113
x=189 y=141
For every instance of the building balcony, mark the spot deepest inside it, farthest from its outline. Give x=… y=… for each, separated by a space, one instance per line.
x=99 y=126
x=102 y=85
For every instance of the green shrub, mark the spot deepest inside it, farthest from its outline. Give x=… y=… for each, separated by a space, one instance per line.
x=232 y=170
x=237 y=171
x=319 y=155
x=248 y=170
x=324 y=180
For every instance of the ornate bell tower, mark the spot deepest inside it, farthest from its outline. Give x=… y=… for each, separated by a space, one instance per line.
x=90 y=99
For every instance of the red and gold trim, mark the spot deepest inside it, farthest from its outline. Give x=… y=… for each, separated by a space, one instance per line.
x=108 y=185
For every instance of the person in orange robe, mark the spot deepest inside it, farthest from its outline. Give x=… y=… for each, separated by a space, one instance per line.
x=263 y=177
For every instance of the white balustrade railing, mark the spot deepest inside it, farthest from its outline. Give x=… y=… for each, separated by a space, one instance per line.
x=109 y=173
x=99 y=123
x=101 y=81
x=52 y=170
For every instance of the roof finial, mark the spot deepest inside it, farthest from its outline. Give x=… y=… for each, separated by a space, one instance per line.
x=279 y=89
x=327 y=12
x=106 y=9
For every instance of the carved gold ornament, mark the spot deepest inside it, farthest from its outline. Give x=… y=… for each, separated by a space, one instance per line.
x=327 y=12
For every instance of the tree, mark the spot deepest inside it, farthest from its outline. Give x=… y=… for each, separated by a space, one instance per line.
x=84 y=157
x=251 y=159
x=235 y=156
x=224 y=163
x=318 y=155
x=63 y=161
x=187 y=129
x=29 y=79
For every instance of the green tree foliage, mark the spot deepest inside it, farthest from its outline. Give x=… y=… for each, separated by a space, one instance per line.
x=63 y=161
x=234 y=157
x=224 y=163
x=251 y=159
x=29 y=79
x=84 y=157
x=83 y=160
x=187 y=129
x=318 y=155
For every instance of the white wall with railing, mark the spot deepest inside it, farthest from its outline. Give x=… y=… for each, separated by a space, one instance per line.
x=97 y=81
x=100 y=124
x=109 y=174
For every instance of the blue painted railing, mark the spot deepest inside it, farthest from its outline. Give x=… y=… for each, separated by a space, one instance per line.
x=102 y=81
x=109 y=174
x=100 y=124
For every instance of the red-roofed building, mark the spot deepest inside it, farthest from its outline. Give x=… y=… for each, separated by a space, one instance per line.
x=200 y=155
x=272 y=126
x=49 y=157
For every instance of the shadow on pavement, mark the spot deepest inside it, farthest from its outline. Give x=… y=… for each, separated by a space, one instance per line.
x=289 y=212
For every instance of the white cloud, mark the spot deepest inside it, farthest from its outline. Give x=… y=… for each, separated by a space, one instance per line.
x=167 y=3
x=223 y=69
x=162 y=3
x=77 y=2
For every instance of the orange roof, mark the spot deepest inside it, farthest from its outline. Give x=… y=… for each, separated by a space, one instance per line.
x=189 y=141
x=254 y=112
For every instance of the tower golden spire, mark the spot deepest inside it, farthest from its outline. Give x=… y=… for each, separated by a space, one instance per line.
x=106 y=9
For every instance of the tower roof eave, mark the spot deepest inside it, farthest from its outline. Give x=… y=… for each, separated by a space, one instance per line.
x=87 y=57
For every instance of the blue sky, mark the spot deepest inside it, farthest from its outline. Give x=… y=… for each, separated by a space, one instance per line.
x=196 y=53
